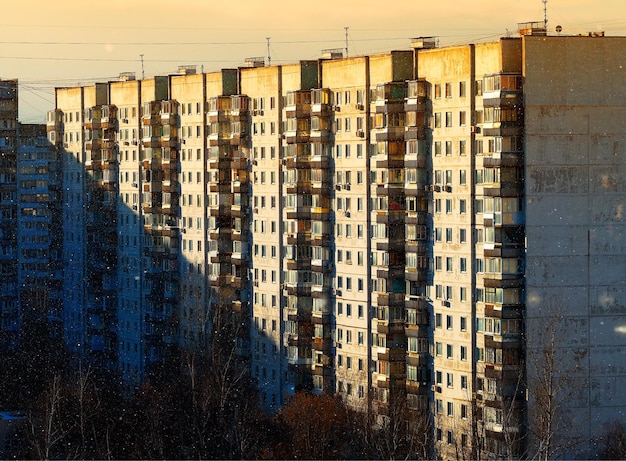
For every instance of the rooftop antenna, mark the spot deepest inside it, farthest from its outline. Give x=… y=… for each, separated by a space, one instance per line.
x=346 y=29
x=269 y=56
x=545 y=14
x=142 y=73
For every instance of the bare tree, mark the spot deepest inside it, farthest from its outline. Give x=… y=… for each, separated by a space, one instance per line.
x=552 y=382
x=47 y=431
x=614 y=440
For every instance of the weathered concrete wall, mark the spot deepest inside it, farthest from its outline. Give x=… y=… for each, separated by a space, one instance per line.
x=575 y=106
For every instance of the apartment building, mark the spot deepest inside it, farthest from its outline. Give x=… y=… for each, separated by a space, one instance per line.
x=40 y=271
x=30 y=243
x=9 y=306
x=401 y=229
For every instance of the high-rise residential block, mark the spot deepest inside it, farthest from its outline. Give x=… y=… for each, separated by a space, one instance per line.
x=421 y=229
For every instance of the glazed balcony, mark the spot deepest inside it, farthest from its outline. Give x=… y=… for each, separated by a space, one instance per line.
x=239 y=163
x=297 y=136
x=299 y=340
x=390 y=133
x=324 y=345
x=502 y=90
x=391 y=92
x=322 y=136
x=415 y=132
x=419 y=274
x=320 y=213
x=300 y=187
x=416 y=97
x=321 y=188
x=503 y=128
x=504 y=189
x=94 y=144
x=321 y=265
x=396 y=354
x=298 y=264
x=225 y=280
x=494 y=280
x=419 y=247
x=298 y=104
x=298 y=289
x=504 y=251
x=390 y=216
x=390 y=189
x=303 y=213
x=222 y=210
x=503 y=159
x=386 y=300
x=321 y=162
x=239 y=139
x=151 y=141
x=390 y=161
x=415 y=160
x=298 y=238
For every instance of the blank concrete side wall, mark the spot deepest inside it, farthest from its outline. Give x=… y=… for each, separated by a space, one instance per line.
x=575 y=109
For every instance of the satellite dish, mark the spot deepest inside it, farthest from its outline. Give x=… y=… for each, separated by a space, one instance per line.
x=559 y=29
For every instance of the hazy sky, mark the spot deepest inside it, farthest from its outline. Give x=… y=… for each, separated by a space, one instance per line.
x=48 y=43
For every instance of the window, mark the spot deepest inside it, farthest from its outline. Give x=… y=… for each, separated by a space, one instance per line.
x=462 y=89
x=449 y=322
x=463 y=264
x=437 y=148
x=437 y=320
x=448 y=90
x=438 y=348
x=448 y=119
x=450 y=409
x=463 y=323
x=449 y=265
x=462 y=177
x=437 y=119
x=463 y=408
x=448 y=234
x=462 y=147
x=463 y=382
x=462 y=235
x=478 y=88
x=462 y=118
x=463 y=355
x=438 y=90
x=449 y=353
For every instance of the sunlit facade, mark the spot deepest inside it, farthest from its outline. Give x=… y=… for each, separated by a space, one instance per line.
x=384 y=227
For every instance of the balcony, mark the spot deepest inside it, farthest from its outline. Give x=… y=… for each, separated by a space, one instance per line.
x=320 y=136
x=504 y=189
x=390 y=133
x=151 y=141
x=503 y=128
x=299 y=136
x=494 y=280
x=415 y=132
x=298 y=213
x=396 y=161
x=503 y=159
x=390 y=299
